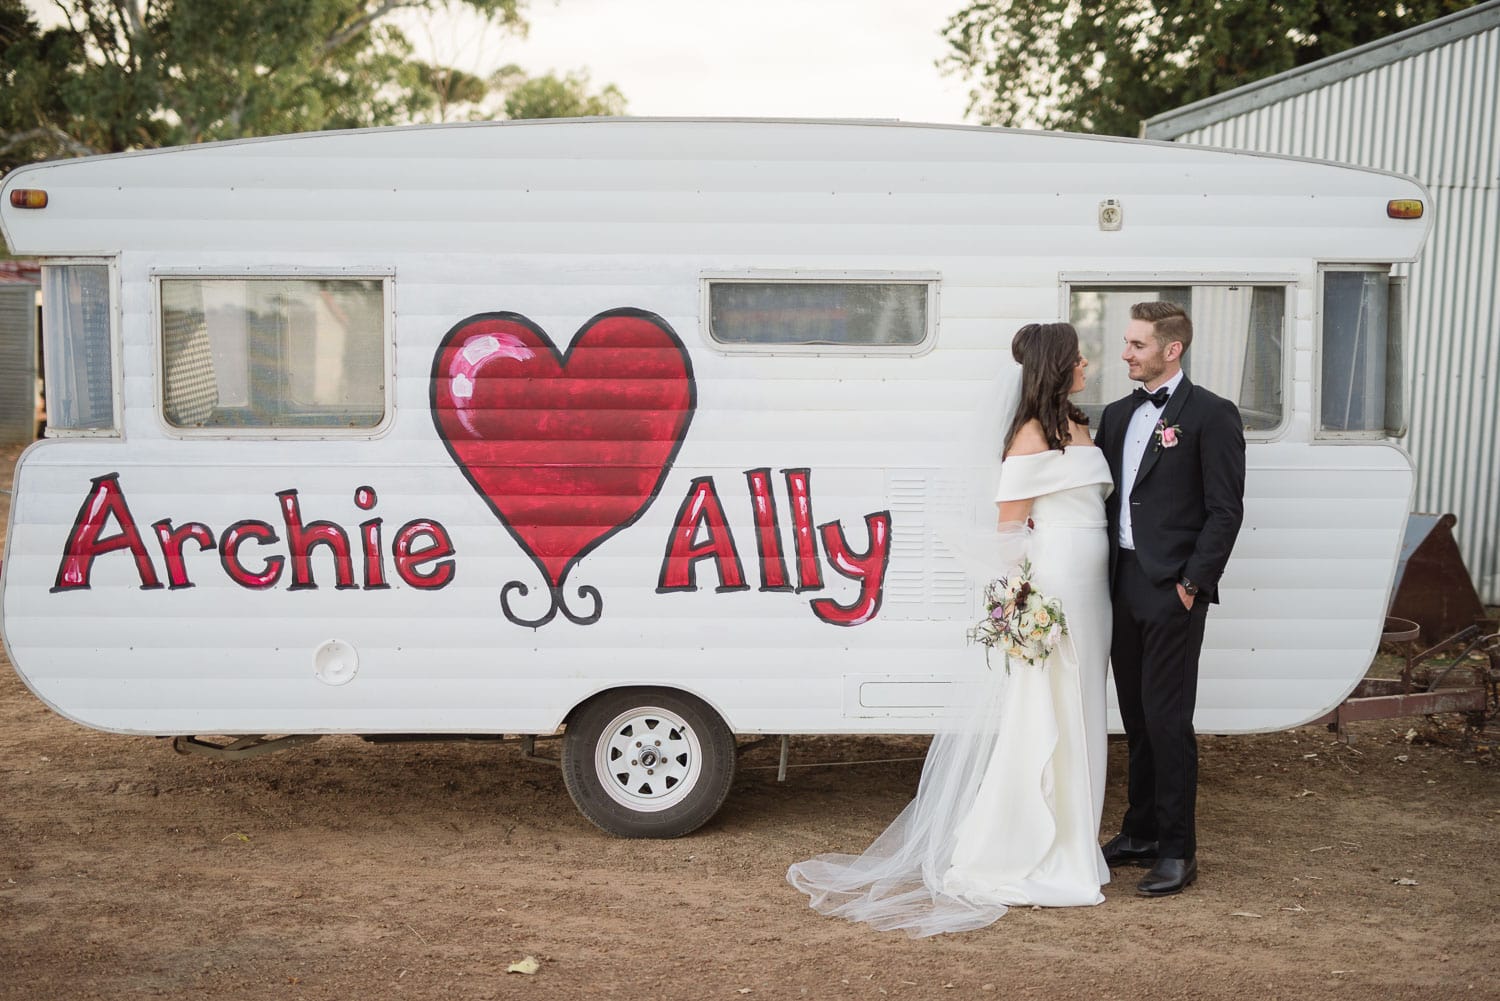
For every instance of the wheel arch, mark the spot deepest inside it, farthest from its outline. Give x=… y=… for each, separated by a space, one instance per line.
x=604 y=690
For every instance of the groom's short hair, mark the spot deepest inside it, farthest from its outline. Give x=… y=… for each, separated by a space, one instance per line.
x=1169 y=322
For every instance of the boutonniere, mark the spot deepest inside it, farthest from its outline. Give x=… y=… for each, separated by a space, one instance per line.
x=1167 y=435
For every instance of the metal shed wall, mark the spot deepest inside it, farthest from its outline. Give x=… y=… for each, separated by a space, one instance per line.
x=17 y=362
x=1425 y=102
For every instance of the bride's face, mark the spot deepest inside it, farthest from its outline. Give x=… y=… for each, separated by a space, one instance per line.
x=1080 y=374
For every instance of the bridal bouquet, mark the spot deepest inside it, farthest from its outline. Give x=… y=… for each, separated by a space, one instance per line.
x=1020 y=620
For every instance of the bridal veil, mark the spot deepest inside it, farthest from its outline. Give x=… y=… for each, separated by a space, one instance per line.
x=897 y=883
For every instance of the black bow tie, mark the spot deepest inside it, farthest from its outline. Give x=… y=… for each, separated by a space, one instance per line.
x=1158 y=398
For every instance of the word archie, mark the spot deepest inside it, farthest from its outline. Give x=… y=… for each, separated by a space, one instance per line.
x=420 y=549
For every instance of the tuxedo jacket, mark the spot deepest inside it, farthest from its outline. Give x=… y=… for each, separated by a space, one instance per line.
x=1187 y=501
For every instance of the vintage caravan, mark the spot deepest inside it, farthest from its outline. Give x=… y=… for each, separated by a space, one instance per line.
x=648 y=429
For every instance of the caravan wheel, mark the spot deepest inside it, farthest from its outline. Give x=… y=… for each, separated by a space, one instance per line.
x=647 y=762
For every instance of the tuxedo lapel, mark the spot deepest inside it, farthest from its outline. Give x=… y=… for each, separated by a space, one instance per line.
x=1115 y=447
x=1114 y=443
x=1168 y=417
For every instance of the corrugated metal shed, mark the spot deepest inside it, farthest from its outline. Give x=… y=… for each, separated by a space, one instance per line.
x=18 y=284
x=1425 y=102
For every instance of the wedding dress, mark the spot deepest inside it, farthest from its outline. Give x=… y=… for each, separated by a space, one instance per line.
x=1008 y=807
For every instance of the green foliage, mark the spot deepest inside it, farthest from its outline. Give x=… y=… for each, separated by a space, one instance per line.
x=29 y=62
x=510 y=93
x=1104 y=66
x=130 y=74
x=551 y=96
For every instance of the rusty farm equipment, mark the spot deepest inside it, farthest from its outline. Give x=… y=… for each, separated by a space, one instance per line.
x=1449 y=650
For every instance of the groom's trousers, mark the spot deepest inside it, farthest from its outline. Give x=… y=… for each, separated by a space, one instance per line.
x=1154 y=657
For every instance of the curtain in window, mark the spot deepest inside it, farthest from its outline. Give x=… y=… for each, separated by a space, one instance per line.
x=79 y=362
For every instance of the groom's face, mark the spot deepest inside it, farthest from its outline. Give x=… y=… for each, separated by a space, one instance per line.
x=1146 y=357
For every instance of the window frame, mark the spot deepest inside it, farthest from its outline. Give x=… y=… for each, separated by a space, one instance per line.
x=1319 y=432
x=1289 y=281
x=799 y=276
x=385 y=276
x=116 y=348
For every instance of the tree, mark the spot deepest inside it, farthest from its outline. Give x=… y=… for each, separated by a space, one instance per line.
x=552 y=96
x=510 y=93
x=1105 y=66
x=130 y=74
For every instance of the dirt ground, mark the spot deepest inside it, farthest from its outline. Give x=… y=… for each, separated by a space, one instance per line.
x=352 y=870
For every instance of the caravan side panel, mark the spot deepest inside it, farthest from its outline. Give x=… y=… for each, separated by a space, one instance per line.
x=868 y=452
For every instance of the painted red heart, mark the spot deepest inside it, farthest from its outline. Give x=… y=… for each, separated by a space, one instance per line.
x=566 y=449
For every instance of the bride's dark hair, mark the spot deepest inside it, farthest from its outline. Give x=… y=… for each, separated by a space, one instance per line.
x=1047 y=353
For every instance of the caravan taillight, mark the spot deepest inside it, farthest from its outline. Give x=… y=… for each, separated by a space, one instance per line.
x=1404 y=208
x=28 y=198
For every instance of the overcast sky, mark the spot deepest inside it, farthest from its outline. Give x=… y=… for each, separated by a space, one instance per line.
x=774 y=58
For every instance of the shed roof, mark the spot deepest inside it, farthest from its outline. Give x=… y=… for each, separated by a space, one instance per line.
x=1403 y=45
x=20 y=273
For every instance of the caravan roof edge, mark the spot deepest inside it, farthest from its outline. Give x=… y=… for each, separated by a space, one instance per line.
x=626 y=121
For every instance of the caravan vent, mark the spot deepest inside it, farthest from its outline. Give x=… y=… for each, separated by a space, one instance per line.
x=921 y=572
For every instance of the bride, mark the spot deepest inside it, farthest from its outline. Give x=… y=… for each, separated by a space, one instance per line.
x=1007 y=811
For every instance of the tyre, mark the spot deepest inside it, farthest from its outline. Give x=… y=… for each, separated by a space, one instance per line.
x=647 y=762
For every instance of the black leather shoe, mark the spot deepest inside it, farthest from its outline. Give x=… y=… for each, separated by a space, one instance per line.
x=1122 y=849
x=1168 y=876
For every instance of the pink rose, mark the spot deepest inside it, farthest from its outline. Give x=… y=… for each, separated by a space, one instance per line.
x=1168 y=437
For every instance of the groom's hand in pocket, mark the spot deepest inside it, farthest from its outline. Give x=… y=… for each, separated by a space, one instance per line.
x=1186 y=599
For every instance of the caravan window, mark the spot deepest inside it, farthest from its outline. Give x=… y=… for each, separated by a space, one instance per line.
x=869 y=314
x=1356 y=346
x=78 y=350
x=1239 y=334
x=273 y=353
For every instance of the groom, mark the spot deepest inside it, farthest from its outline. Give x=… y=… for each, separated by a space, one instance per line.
x=1177 y=453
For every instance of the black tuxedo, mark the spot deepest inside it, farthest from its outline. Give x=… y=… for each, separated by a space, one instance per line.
x=1186 y=505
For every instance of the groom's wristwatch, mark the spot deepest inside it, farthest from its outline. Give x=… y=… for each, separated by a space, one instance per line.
x=1188 y=587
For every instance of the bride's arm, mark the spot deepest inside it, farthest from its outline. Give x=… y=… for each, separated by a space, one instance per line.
x=1029 y=440
x=1013 y=513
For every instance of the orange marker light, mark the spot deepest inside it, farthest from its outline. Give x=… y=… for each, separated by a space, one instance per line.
x=1404 y=208
x=28 y=198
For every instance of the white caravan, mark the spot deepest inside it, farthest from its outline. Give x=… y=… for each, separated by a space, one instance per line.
x=647 y=428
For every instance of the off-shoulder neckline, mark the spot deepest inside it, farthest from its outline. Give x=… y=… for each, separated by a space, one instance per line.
x=1050 y=451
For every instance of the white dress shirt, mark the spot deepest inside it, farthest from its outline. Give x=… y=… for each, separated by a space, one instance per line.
x=1137 y=436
